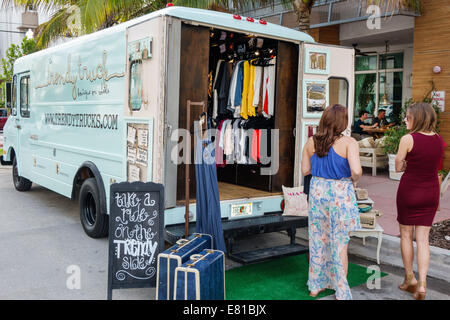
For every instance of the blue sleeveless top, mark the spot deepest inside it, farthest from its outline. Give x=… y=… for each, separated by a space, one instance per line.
x=332 y=166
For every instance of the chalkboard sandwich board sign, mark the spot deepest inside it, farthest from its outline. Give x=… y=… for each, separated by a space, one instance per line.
x=136 y=226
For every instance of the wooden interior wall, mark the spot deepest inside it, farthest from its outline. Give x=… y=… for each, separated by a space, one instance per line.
x=193 y=86
x=285 y=112
x=432 y=48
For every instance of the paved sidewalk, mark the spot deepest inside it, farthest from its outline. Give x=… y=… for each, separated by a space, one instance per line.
x=383 y=192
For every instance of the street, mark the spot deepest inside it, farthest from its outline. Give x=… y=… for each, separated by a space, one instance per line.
x=41 y=240
x=44 y=249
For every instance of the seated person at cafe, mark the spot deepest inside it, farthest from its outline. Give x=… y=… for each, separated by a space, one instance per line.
x=359 y=127
x=380 y=121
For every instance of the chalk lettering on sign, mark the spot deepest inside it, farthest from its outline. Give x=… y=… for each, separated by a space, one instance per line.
x=148 y=201
x=136 y=229
x=135 y=246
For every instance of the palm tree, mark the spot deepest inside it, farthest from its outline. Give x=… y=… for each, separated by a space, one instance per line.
x=303 y=9
x=72 y=18
x=76 y=17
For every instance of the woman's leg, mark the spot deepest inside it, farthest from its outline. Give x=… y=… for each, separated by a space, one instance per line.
x=407 y=248
x=344 y=258
x=423 y=254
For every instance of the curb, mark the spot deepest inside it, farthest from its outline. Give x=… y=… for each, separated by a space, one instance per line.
x=390 y=253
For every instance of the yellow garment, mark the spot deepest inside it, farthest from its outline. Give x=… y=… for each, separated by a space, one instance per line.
x=244 y=104
x=251 y=111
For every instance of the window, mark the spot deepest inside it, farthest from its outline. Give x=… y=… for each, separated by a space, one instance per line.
x=14 y=97
x=365 y=89
x=136 y=85
x=25 y=97
x=338 y=91
x=364 y=63
x=391 y=61
x=394 y=85
x=372 y=73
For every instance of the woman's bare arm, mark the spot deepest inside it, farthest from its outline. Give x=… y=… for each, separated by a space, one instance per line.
x=353 y=159
x=307 y=153
x=406 y=144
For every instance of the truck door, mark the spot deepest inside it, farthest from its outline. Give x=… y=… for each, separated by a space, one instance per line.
x=10 y=129
x=326 y=77
x=23 y=124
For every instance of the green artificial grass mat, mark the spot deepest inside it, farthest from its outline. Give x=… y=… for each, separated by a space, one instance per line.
x=282 y=279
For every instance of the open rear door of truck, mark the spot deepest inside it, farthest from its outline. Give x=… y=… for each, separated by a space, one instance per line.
x=326 y=77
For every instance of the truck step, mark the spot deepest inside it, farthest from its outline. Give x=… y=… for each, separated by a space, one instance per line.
x=268 y=253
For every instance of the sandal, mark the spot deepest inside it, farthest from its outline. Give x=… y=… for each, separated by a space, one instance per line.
x=407 y=286
x=420 y=295
x=315 y=293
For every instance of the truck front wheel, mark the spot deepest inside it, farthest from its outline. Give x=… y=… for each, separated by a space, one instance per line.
x=20 y=183
x=93 y=220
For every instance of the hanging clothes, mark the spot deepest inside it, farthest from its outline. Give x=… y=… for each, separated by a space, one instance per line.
x=236 y=139
x=216 y=91
x=222 y=133
x=242 y=144
x=235 y=90
x=219 y=150
x=223 y=87
x=238 y=90
x=232 y=89
x=251 y=91
x=228 y=144
x=208 y=214
x=255 y=145
x=257 y=86
x=245 y=91
x=269 y=89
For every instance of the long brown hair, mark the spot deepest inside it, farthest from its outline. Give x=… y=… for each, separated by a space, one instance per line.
x=333 y=122
x=423 y=117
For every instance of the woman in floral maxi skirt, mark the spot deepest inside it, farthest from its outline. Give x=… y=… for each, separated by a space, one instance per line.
x=333 y=161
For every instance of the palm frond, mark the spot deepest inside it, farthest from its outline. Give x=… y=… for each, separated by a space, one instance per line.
x=53 y=29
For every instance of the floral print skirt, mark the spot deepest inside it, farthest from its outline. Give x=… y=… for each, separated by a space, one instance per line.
x=333 y=213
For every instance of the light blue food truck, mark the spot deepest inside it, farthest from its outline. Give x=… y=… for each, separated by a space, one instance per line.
x=104 y=108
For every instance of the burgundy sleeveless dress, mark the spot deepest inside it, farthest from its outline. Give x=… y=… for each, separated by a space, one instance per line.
x=418 y=192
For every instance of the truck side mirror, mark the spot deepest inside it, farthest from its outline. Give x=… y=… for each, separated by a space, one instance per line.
x=8 y=96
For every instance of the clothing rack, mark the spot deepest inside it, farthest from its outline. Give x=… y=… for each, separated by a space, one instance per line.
x=261 y=57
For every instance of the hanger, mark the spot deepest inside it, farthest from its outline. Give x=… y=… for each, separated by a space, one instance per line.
x=262 y=62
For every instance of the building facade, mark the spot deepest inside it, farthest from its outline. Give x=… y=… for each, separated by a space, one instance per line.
x=397 y=50
x=14 y=24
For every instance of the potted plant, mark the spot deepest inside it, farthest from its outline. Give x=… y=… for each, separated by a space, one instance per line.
x=390 y=147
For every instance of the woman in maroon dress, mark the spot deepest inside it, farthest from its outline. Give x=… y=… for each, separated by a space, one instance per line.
x=419 y=156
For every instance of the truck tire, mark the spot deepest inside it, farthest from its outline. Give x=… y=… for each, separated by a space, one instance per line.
x=93 y=220
x=20 y=183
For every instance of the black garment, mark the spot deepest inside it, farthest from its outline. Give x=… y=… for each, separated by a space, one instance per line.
x=223 y=87
x=258 y=123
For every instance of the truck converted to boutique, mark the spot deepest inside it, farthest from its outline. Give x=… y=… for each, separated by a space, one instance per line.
x=104 y=108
